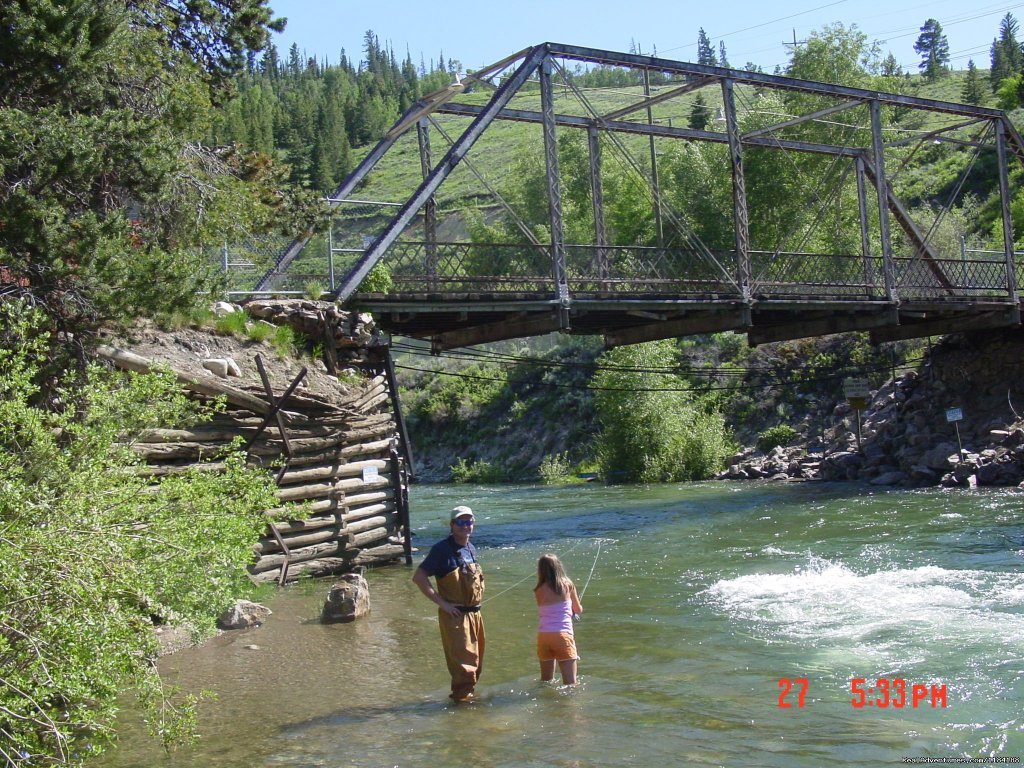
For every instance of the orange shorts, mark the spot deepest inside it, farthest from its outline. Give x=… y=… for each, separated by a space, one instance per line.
x=556 y=646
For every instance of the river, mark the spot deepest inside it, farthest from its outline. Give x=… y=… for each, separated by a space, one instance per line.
x=725 y=624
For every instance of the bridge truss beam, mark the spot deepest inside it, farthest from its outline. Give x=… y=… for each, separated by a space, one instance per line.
x=769 y=294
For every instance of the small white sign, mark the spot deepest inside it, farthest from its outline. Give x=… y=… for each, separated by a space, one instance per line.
x=954 y=414
x=856 y=388
x=369 y=474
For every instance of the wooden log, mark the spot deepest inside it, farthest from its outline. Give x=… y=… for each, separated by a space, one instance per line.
x=384 y=553
x=376 y=386
x=323 y=490
x=332 y=470
x=360 y=540
x=364 y=433
x=169 y=451
x=338 y=453
x=317 y=508
x=369 y=510
x=374 y=402
x=268 y=545
x=272 y=562
x=342 y=534
x=371 y=523
x=327 y=566
x=324 y=566
x=307 y=449
x=332 y=519
x=225 y=432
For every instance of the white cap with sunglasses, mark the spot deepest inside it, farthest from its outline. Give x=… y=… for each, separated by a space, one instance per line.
x=460 y=513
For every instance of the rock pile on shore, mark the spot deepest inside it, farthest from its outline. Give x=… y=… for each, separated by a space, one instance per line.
x=905 y=437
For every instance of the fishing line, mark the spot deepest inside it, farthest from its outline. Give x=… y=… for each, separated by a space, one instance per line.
x=589 y=577
x=532 y=575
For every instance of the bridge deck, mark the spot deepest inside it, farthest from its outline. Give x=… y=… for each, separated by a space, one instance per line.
x=461 y=319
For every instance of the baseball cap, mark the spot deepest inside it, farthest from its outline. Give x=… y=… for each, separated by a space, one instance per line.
x=461 y=512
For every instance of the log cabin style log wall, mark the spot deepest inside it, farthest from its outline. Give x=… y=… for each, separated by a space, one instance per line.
x=341 y=460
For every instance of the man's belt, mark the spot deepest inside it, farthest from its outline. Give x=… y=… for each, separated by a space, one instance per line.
x=469 y=608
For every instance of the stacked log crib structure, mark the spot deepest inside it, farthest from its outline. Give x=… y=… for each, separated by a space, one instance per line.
x=340 y=459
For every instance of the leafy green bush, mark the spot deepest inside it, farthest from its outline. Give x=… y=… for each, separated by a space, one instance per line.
x=783 y=434
x=481 y=471
x=92 y=550
x=555 y=469
x=652 y=428
x=461 y=396
x=378 y=280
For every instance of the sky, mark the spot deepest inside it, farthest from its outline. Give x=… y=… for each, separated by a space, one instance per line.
x=478 y=34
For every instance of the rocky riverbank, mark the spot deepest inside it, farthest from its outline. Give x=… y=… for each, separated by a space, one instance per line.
x=905 y=438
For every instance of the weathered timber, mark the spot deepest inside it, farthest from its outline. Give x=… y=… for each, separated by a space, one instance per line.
x=327 y=549
x=309 y=451
x=273 y=562
x=325 y=566
x=332 y=470
x=317 y=508
x=334 y=530
x=377 y=399
x=376 y=386
x=268 y=545
x=322 y=490
x=319 y=455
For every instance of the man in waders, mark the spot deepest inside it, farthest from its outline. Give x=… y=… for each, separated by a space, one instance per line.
x=460 y=590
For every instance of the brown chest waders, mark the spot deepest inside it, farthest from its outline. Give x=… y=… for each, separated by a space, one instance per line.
x=463 y=637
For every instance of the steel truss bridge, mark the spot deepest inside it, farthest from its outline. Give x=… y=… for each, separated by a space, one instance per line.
x=895 y=275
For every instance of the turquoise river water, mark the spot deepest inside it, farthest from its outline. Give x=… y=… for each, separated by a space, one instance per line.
x=701 y=602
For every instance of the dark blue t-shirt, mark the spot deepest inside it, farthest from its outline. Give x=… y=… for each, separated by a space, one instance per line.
x=445 y=556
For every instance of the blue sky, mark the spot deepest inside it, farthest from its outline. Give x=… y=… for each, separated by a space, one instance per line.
x=484 y=32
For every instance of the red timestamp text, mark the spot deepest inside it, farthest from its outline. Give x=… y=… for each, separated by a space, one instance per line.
x=882 y=693
x=893 y=692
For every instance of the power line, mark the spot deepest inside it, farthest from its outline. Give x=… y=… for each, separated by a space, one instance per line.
x=594 y=388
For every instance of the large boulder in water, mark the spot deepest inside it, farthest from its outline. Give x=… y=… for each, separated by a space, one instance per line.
x=348 y=599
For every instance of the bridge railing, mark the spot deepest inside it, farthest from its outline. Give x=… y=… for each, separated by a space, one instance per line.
x=420 y=267
x=417 y=267
x=831 y=276
x=981 y=276
x=498 y=268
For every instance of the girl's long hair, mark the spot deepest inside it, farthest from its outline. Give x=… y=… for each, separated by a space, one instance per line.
x=551 y=572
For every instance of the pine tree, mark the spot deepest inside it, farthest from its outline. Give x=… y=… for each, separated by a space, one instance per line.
x=934 y=49
x=699 y=117
x=705 y=53
x=1007 y=59
x=722 y=60
x=972 y=92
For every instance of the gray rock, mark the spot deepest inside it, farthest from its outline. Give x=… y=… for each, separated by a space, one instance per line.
x=891 y=478
x=243 y=615
x=348 y=599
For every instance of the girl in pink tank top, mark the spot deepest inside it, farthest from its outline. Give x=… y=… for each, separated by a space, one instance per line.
x=557 y=604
